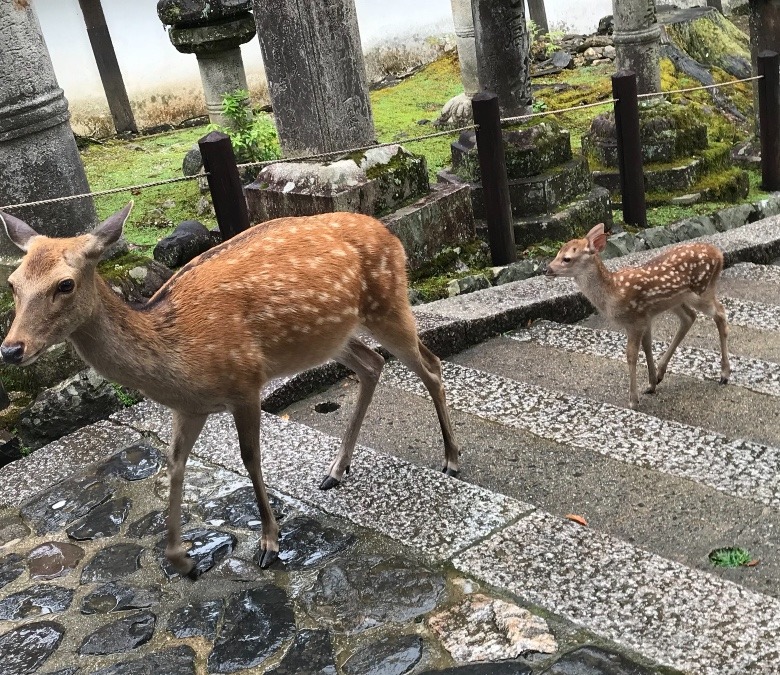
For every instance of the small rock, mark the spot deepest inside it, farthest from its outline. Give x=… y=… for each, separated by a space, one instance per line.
x=590 y=54
x=168 y=204
x=310 y=654
x=469 y=284
x=606 y=25
x=305 y=542
x=734 y=216
x=113 y=562
x=103 y=521
x=656 y=237
x=692 y=228
x=114 y=597
x=415 y=297
x=524 y=269
x=193 y=162
x=595 y=660
x=203 y=207
x=152 y=523
x=238 y=509
x=53 y=559
x=621 y=244
x=562 y=59
x=188 y=240
x=198 y=619
x=11 y=568
x=175 y=661
x=767 y=207
x=600 y=61
x=388 y=656
x=208 y=548
x=609 y=52
x=25 y=649
x=11 y=530
x=35 y=600
x=136 y=462
x=487 y=629
x=686 y=200
x=120 y=636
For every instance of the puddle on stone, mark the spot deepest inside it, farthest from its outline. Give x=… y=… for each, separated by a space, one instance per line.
x=53 y=559
x=116 y=597
x=25 y=649
x=112 y=562
x=36 y=600
x=103 y=521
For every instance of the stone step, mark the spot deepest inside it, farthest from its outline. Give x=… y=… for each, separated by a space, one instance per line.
x=676 y=616
x=754 y=374
x=738 y=467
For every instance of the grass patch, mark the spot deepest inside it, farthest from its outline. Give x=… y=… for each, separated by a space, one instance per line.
x=730 y=557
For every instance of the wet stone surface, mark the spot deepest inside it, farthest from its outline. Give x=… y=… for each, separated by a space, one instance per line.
x=25 y=649
x=238 y=509
x=153 y=523
x=35 y=601
x=255 y=625
x=363 y=592
x=120 y=636
x=208 y=548
x=53 y=559
x=11 y=567
x=304 y=542
x=310 y=654
x=390 y=656
x=119 y=609
x=103 y=521
x=587 y=660
x=113 y=562
x=116 y=597
x=196 y=619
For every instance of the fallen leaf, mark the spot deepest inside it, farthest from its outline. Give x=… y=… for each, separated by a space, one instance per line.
x=752 y=563
x=285 y=417
x=577 y=519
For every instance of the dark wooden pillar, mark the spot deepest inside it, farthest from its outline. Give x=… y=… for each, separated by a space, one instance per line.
x=108 y=66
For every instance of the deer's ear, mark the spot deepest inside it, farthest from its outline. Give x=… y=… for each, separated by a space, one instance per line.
x=597 y=239
x=19 y=232
x=108 y=232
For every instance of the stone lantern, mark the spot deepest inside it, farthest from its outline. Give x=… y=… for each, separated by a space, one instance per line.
x=213 y=30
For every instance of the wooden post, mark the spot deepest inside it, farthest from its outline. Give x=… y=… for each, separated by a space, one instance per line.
x=495 y=186
x=629 y=147
x=227 y=193
x=538 y=14
x=717 y=4
x=108 y=66
x=769 y=118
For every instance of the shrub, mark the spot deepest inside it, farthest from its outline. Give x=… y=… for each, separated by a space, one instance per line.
x=252 y=133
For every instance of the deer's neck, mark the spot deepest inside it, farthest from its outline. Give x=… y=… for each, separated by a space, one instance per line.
x=123 y=344
x=595 y=282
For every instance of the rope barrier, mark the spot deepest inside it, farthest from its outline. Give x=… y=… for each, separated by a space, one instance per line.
x=730 y=83
x=100 y=193
x=323 y=155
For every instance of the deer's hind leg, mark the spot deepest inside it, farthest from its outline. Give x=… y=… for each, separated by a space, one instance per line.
x=647 y=348
x=367 y=365
x=397 y=331
x=709 y=304
x=687 y=316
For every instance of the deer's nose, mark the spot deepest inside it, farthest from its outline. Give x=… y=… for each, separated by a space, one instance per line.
x=12 y=353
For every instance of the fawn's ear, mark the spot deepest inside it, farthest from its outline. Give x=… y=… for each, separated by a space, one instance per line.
x=108 y=232
x=597 y=239
x=19 y=232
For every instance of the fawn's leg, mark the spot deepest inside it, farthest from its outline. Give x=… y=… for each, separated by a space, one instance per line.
x=186 y=429
x=398 y=333
x=367 y=365
x=632 y=353
x=247 y=419
x=687 y=316
x=647 y=347
x=708 y=304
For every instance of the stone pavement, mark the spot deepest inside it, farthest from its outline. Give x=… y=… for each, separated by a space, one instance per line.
x=402 y=570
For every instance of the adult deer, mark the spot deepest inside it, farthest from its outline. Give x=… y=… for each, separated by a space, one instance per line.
x=274 y=300
x=682 y=279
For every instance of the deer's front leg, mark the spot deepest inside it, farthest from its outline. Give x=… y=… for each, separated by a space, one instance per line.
x=186 y=429
x=647 y=348
x=247 y=419
x=632 y=353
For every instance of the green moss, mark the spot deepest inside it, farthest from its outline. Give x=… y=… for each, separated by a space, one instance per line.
x=119 y=267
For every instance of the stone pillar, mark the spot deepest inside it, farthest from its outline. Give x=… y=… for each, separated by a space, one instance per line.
x=457 y=111
x=637 y=42
x=538 y=14
x=213 y=30
x=38 y=154
x=316 y=74
x=502 y=46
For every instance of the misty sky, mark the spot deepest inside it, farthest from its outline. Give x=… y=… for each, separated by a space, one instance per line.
x=148 y=59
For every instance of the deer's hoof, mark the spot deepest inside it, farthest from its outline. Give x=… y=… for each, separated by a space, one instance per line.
x=267 y=557
x=724 y=380
x=193 y=574
x=650 y=390
x=450 y=472
x=329 y=482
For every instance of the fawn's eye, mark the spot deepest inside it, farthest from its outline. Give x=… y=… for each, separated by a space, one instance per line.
x=566 y=258
x=66 y=286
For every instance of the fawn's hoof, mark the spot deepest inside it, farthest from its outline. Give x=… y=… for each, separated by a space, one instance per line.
x=723 y=380
x=329 y=482
x=650 y=390
x=267 y=557
x=193 y=574
x=450 y=472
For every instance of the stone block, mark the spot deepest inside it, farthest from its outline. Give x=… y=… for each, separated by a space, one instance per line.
x=656 y=237
x=767 y=207
x=692 y=228
x=734 y=216
x=441 y=218
x=374 y=183
x=469 y=284
x=621 y=244
x=524 y=269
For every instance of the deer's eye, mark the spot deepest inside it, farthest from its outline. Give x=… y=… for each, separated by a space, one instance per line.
x=566 y=258
x=66 y=286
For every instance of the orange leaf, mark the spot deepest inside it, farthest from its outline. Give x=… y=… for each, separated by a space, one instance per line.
x=752 y=563
x=577 y=519
x=285 y=417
